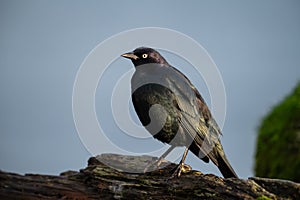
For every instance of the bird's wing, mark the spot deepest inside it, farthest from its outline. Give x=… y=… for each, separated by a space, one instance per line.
x=196 y=118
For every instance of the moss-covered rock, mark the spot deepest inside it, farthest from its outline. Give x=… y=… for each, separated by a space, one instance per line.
x=278 y=142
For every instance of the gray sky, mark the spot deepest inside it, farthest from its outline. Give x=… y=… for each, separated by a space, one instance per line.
x=255 y=45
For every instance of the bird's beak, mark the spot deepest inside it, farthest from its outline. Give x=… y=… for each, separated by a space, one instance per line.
x=130 y=56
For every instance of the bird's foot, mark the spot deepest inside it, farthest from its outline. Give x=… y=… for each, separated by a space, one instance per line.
x=179 y=169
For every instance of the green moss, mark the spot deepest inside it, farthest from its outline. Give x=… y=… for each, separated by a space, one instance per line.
x=278 y=141
x=263 y=198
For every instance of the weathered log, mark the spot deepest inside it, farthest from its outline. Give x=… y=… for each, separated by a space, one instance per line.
x=111 y=176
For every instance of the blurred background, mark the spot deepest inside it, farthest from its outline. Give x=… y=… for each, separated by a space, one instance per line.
x=255 y=44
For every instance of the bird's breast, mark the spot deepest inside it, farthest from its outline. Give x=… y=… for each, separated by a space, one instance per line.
x=154 y=105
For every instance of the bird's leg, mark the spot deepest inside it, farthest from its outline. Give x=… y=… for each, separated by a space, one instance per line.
x=157 y=163
x=181 y=167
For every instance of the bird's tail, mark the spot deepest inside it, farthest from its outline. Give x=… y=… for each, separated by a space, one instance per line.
x=225 y=168
x=217 y=156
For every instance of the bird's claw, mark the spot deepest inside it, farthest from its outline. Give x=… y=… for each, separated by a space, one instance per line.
x=179 y=169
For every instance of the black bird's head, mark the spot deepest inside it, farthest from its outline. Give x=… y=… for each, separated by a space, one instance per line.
x=144 y=55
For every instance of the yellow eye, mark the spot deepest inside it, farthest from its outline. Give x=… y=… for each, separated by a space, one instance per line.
x=145 y=55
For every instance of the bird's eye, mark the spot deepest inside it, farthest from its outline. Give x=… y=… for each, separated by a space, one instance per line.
x=145 y=55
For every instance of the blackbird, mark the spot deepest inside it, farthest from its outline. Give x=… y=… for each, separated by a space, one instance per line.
x=173 y=111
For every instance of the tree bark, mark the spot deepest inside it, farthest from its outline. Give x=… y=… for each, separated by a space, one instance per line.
x=111 y=176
